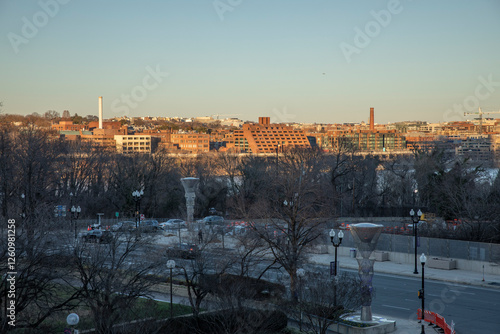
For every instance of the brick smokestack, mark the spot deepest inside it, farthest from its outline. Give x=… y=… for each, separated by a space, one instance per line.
x=372 y=119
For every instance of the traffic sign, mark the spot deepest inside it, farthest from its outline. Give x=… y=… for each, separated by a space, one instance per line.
x=142 y=216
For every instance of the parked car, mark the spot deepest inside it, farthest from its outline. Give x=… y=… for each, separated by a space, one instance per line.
x=184 y=251
x=212 y=220
x=173 y=224
x=149 y=226
x=420 y=224
x=101 y=236
x=236 y=230
x=124 y=226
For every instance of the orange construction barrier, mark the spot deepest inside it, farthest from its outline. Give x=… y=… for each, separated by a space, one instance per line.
x=430 y=317
x=440 y=322
x=435 y=319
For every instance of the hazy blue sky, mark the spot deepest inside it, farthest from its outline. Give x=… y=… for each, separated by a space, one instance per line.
x=325 y=61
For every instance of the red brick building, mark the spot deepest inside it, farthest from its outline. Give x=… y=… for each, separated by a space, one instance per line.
x=267 y=138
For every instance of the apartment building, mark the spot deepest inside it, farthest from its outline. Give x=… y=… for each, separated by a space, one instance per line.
x=420 y=140
x=104 y=138
x=477 y=148
x=105 y=125
x=364 y=140
x=67 y=126
x=191 y=142
x=132 y=144
x=265 y=137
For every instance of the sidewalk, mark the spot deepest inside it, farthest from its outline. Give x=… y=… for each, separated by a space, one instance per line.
x=456 y=276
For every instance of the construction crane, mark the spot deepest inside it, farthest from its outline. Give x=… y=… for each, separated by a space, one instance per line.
x=481 y=113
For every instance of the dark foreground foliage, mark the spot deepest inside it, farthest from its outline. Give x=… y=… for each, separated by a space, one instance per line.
x=228 y=321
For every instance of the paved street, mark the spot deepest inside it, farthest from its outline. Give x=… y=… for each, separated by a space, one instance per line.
x=458 y=295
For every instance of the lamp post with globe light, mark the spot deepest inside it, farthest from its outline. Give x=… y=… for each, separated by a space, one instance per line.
x=171 y=266
x=421 y=294
x=72 y=320
x=137 y=195
x=75 y=213
x=415 y=219
x=335 y=244
x=23 y=210
x=300 y=274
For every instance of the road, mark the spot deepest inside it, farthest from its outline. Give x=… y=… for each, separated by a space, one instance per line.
x=472 y=309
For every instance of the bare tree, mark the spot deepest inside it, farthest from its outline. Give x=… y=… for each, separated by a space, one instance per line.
x=202 y=272
x=8 y=175
x=252 y=186
x=317 y=310
x=293 y=211
x=51 y=115
x=42 y=274
x=341 y=164
x=111 y=276
x=250 y=252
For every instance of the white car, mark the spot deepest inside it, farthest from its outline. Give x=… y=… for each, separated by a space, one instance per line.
x=173 y=224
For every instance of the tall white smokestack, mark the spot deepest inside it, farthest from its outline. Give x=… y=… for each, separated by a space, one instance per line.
x=100 y=112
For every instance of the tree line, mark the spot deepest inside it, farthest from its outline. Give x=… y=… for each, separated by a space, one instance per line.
x=48 y=170
x=38 y=172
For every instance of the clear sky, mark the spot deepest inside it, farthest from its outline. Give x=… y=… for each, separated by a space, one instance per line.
x=324 y=61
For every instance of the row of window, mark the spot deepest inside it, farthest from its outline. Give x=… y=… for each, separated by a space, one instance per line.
x=183 y=136
x=281 y=143
x=194 y=141
x=279 y=131
x=194 y=146
x=136 y=149
x=135 y=138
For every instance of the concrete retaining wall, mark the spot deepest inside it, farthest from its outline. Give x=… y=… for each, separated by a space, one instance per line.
x=469 y=265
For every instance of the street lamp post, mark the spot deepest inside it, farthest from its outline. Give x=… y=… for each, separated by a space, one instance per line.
x=137 y=195
x=415 y=219
x=300 y=273
x=335 y=245
x=423 y=259
x=171 y=266
x=75 y=213
x=72 y=320
x=23 y=213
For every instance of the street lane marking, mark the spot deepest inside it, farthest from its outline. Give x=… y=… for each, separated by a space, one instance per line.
x=400 y=308
x=460 y=292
